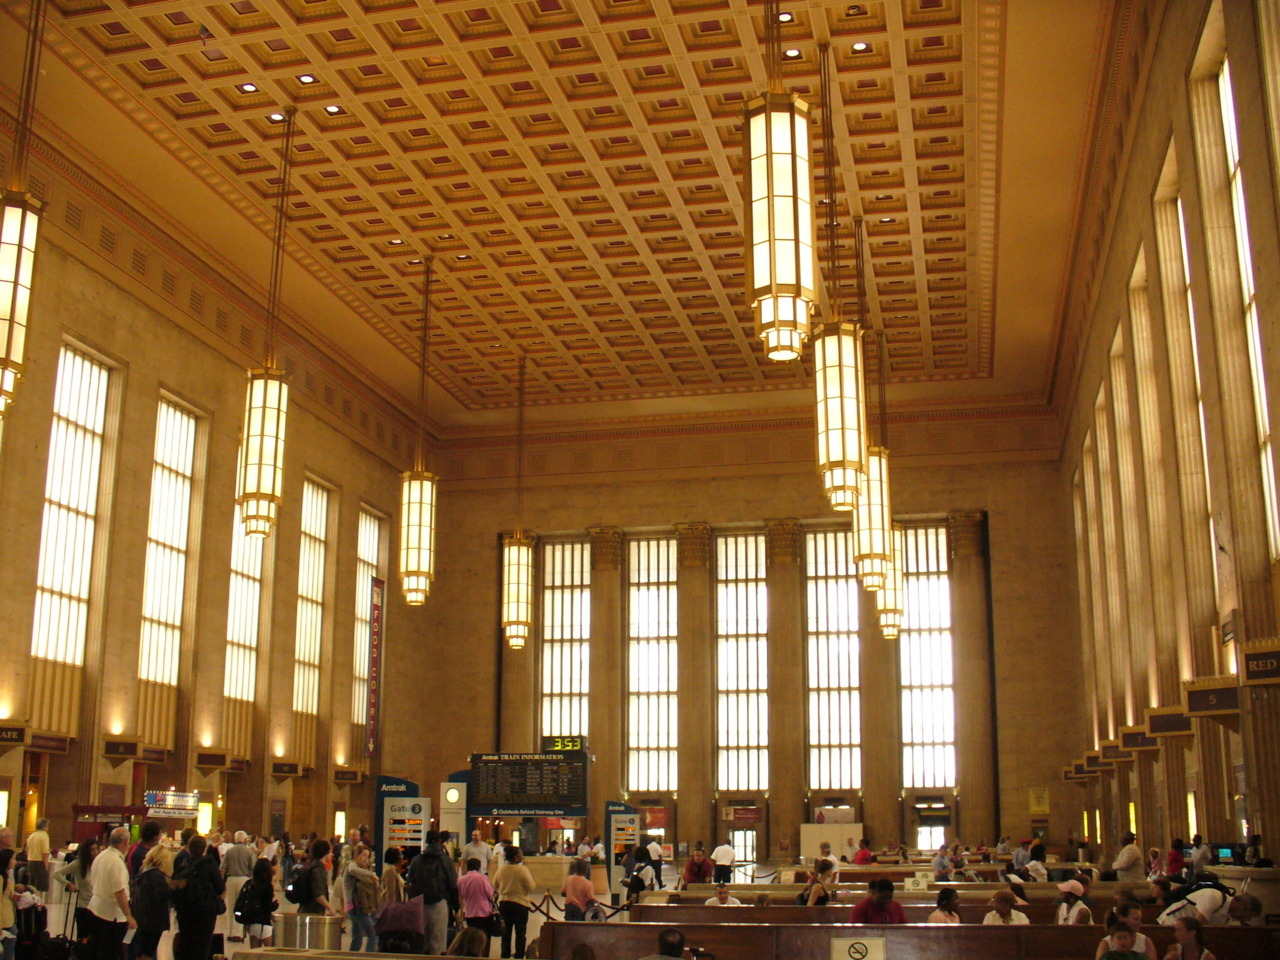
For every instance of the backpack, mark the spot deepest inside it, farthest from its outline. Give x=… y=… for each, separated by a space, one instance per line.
x=636 y=883
x=299 y=888
x=244 y=905
x=425 y=878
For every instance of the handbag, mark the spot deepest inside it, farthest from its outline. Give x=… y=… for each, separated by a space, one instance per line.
x=497 y=926
x=399 y=916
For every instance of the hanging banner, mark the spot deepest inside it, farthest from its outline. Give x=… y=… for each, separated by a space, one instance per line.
x=375 y=669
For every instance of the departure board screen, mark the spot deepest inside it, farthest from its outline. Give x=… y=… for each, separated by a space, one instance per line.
x=528 y=785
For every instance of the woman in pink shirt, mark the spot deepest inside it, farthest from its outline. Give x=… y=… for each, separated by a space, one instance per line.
x=476 y=893
x=578 y=890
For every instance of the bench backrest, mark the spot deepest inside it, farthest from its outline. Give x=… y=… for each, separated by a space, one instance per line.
x=752 y=941
x=675 y=914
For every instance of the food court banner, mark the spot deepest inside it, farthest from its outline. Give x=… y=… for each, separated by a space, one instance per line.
x=375 y=669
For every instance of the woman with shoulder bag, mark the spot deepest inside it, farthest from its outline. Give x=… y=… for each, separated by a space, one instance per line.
x=360 y=892
x=514 y=884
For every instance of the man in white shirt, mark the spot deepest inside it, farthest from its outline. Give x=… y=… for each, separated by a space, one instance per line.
x=723 y=857
x=109 y=878
x=722 y=898
x=655 y=857
x=237 y=868
x=1201 y=856
x=584 y=847
x=477 y=849
x=597 y=849
x=1129 y=862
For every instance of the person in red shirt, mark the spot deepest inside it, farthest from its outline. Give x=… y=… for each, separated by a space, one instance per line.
x=879 y=907
x=698 y=869
x=1175 y=862
x=863 y=856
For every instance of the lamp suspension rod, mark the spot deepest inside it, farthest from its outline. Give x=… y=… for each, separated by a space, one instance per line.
x=829 y=184
x=277 y=241
x=520 y=453
x=27 y=97
x=773 y=44
x=420 y=451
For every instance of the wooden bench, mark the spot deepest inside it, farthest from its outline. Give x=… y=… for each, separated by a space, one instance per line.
x=677 y=914
x=754 y=941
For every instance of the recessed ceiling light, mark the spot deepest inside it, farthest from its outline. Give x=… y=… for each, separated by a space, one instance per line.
x=306 y=78
x=276 y=117
x=248 y=88
x=464 y=256
x=792 y=54
x=785 y=17
x=886 y=219
x=861 y=46
x=853 y=10
x=395 y=243
x=332 y=109
x=884 y=196
x=445 y=236
x=413 y=262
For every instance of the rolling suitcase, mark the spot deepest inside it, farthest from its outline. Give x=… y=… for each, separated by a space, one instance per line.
x=63 y=946
x=33 y=931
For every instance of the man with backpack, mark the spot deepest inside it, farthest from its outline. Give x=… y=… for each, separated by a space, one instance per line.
x=309 y=888
x=432 y=876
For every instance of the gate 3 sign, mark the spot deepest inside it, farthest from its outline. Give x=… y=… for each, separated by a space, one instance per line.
x=857 y=948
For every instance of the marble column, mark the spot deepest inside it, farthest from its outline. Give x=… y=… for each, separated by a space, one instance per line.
x=696 y=659
x=972 y=655
x=788 y=736
x=605 y=716
x=1150 y=828
x=880 y=673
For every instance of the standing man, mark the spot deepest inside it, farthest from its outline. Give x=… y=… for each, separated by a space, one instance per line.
x=1129 y=864
x=148 y=837
x=477 y=849
x=723 y=857
x=237 y=868
x=432 y=877
x=38 y=856
x=655 y=856
x=109 y=878
x=1201 y=857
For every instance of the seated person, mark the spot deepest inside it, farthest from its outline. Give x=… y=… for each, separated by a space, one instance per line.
x=1003 y=903
x=942 y=865
x=879 y=906
x=818 y=893
x=670 y=944
x=698 y=869
x=948 y=900
x=1035 y=866
x=1160 y=890
x=1128 y=915
x=1188 y=936
x=1122 y=945
x=1071 y=907
x=722 y=898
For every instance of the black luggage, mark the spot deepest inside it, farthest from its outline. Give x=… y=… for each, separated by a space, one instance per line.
x=63 y=946
x=33 y=931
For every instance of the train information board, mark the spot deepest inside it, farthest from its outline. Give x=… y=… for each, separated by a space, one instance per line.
x=528 y=785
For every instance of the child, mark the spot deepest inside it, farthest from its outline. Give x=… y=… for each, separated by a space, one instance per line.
x=1122 y=939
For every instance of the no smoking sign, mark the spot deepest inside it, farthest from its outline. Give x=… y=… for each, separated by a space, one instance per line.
x=857 y=948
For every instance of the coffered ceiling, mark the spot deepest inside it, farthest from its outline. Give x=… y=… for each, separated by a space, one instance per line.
x=573 y=169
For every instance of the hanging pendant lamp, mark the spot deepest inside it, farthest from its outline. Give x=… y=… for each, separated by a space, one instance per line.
x=517 y=552
x=779 y=199
x=873 y=520
x=418 y=487
x=260 y=481
x=889 y=600
x=19 y=222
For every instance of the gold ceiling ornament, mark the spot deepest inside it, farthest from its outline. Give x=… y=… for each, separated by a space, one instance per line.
x=260 y=480
x=839 y=385
x=19 y=222
x=873 y=520
x=779 y=218
x=517 y=552
x=889 y=599
x=419 y=487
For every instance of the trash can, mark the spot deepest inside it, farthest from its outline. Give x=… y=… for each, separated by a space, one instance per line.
x=306 y=931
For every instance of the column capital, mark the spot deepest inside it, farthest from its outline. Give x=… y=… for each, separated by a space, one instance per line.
x=606 y=547
x=783 y=539
x=966 y=532
x=693 y=544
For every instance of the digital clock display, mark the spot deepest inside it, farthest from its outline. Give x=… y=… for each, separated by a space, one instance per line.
x=562 y=744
